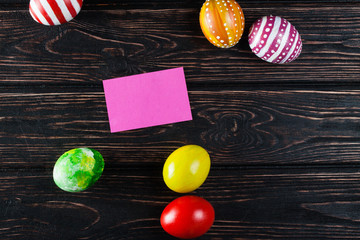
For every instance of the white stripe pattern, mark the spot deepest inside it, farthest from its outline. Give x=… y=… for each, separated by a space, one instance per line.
x=76 y=5
x=54 y=12
x=273 y=34
x=50 y=12
x=36 y=11
x=258 y=36
x=291 y=51
x=283 y=43
x=276 y=42
x=64 y=10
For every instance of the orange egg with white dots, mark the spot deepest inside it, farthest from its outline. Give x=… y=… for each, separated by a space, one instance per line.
x=222 y=22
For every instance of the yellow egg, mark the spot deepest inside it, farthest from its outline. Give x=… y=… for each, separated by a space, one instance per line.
x=186 y=168
x=222 y=22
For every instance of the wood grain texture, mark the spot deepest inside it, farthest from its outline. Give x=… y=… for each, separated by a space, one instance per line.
x=101 y=44
x=163 y=4
x=237 y=128
x=283 y=139
x=295 y=203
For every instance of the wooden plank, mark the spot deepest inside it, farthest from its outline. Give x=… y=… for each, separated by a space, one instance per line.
x=302 y=203
x=102 y=44
x=170 y=4
x=238 y=128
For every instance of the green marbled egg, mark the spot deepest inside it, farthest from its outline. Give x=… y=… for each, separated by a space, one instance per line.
x=78 y=169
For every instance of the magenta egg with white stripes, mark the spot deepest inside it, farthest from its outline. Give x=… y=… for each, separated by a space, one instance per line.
x=275 y=40
x=54 y=12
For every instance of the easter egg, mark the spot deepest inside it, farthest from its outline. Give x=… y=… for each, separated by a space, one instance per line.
x=222 y=22
x=54 y=12
x=275 y=40
x=187 y=217
x=186 y=168
x=78 y=169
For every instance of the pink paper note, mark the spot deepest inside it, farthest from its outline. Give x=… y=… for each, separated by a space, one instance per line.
x=146 y=100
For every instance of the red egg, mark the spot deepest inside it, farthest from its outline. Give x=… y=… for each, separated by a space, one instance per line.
x=187 y=217
x=222 y=22
x=54 y=12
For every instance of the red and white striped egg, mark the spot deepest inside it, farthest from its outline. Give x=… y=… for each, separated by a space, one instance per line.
x=275 y=40
x=54 y=12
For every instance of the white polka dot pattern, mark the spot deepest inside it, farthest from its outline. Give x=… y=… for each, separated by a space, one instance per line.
x=222 y=22
x=275 y=40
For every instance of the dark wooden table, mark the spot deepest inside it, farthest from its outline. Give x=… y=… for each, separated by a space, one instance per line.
x=284 y=139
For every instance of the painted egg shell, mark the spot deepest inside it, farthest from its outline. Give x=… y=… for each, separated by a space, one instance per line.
x=187 y=217
x=275 y=40
x=222 y=22
x=186 y=168
x=54 y=12
x=78 y=169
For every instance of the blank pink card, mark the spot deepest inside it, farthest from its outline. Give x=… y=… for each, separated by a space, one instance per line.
x=146 y=100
